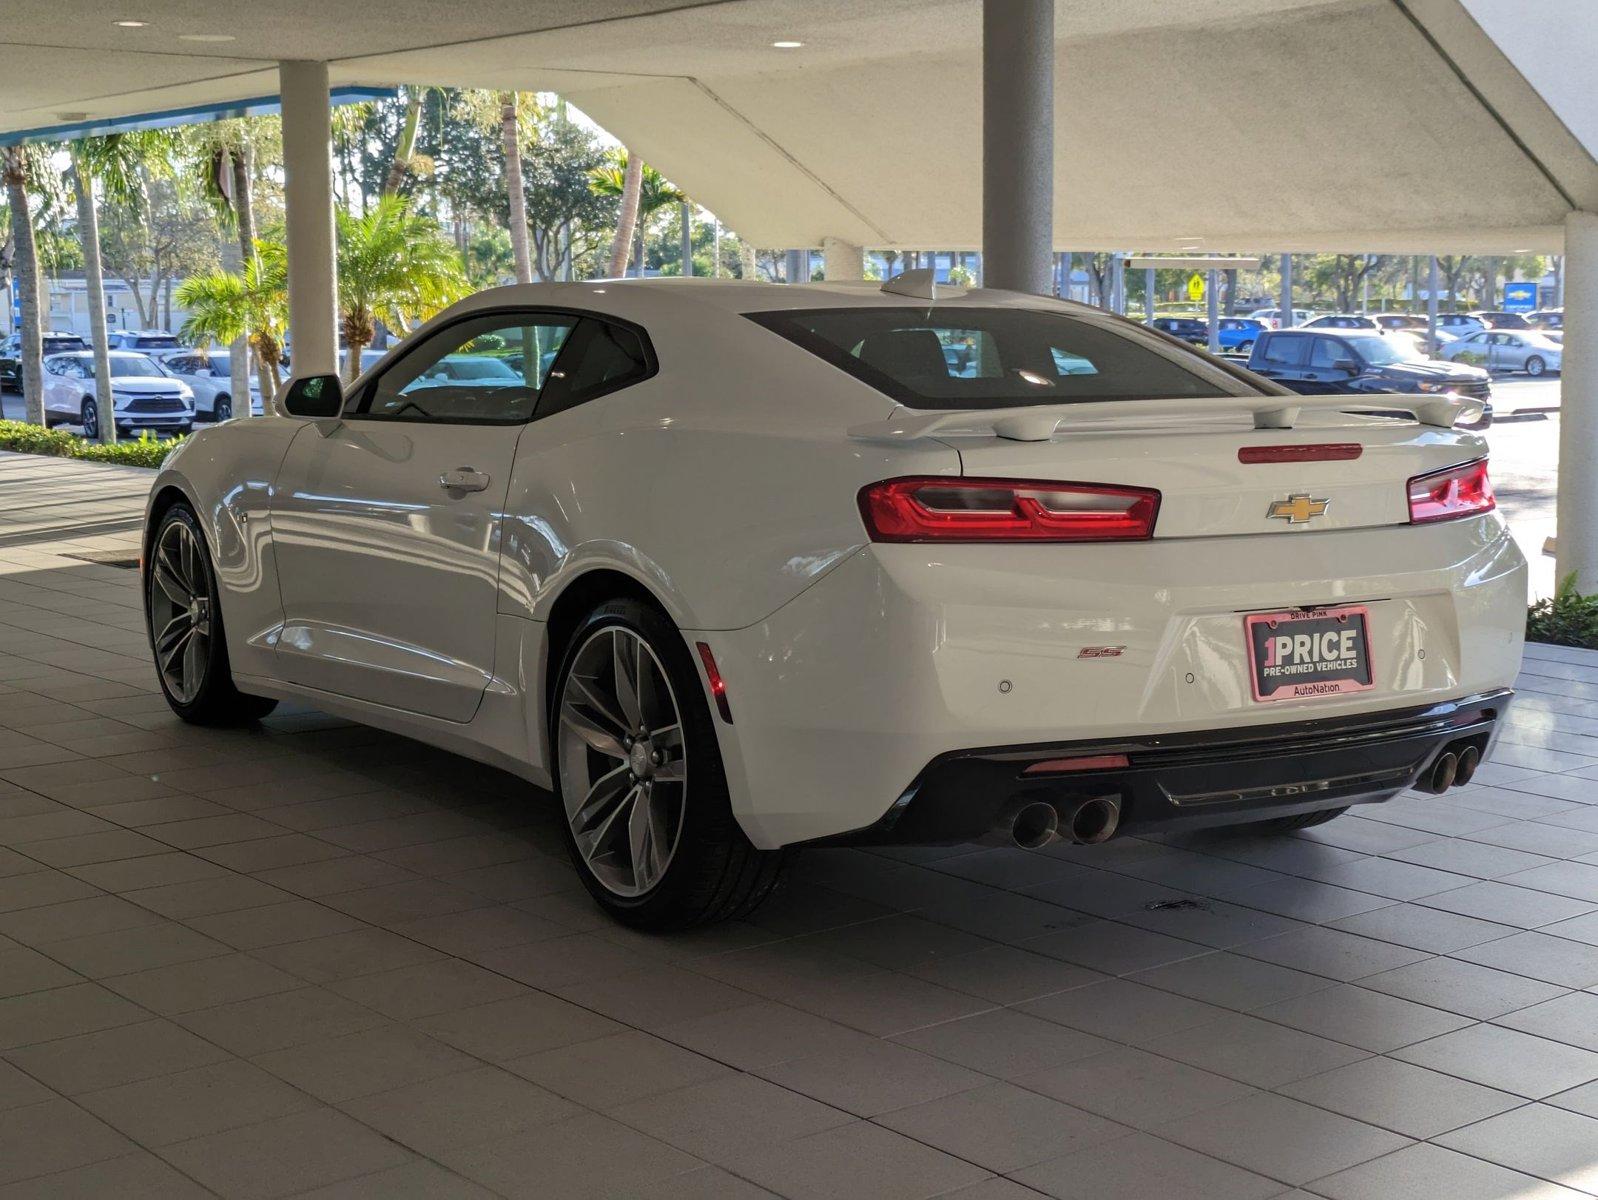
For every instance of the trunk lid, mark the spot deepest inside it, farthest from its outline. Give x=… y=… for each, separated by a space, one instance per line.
x=1212 y=481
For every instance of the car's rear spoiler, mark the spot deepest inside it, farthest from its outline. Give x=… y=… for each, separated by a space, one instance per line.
x=1040 y=422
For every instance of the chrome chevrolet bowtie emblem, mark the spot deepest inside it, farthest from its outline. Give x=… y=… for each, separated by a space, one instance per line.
x=1295 y=510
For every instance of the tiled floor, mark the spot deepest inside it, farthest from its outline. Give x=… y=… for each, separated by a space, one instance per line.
x=313 y=959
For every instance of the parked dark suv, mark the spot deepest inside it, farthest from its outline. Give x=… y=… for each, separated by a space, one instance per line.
x=1327 y=364
x=1188 y=329
x=11 y=356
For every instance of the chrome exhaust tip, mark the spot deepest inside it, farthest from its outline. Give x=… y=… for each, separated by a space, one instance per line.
x=1091 y=821
x=1035 y=826
x=1469 y=760
x=1441 y=777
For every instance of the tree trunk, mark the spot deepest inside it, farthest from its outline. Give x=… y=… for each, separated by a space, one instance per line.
x=238 y=353
x=1231 y=292
x=510 y=136
x=94 y=284
x=27 y=282
x=632 y=182
x=748 y=268
x=406 y=146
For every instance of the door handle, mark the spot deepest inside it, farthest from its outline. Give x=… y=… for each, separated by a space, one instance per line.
x=463 y=479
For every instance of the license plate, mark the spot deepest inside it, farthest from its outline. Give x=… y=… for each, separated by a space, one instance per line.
x=1307 y=653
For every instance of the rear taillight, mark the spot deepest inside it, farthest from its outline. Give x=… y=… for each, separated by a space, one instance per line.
x=953 y=509
x=1462 y=491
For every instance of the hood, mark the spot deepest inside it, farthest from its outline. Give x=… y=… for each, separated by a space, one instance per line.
x=139 y=385
x=1430 y=369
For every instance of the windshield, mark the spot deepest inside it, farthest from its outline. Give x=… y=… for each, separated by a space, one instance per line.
x=1378 y=350
x=131 y=367
x=953 y=357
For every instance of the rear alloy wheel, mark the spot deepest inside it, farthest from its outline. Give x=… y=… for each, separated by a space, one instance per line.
x=185 y=625
x=1535 y=366
x=1245 y=347
x=638 y=770
x=91 y=419
x=1299 y=821
x=222 y=410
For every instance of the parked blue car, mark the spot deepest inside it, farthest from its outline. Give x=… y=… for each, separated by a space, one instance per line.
x=1240 y=333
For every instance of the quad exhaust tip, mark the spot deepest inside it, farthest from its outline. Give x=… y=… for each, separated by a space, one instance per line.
x=1469 y=760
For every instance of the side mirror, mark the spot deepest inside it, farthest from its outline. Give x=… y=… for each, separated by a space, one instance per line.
x=1346 y=364
x=318 y=396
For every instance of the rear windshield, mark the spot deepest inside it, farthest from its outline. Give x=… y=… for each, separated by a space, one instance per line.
x=983 y=357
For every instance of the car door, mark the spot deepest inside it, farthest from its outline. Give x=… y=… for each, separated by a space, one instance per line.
x=1322 y=375
x=53 y=403
x=387 y=523
x=1283 y=357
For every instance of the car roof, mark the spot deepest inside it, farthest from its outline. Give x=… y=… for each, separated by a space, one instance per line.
x=111 y=353
x=748 y=296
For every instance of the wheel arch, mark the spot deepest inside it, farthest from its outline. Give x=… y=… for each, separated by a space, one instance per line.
x=581 y=595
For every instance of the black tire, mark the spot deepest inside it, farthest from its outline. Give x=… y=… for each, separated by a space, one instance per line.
x=90 y=419
x=1535 y=366
x=216 y=701
x=1245 y=347
x=715 y=873
x=222 y=408
x=1298 y=821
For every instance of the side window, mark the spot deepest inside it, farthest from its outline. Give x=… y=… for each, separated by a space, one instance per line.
x=484 y=370
x=1285 y=351
x=600 y=358
x=1327 y=353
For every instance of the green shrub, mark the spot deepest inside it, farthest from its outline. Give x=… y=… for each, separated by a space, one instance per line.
x=1567 y=618
x=147 y=451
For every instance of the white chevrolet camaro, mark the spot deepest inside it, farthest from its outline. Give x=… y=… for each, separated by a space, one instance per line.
x=734 y=567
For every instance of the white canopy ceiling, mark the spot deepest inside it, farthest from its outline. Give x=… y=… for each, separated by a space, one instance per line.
x=1198 y=125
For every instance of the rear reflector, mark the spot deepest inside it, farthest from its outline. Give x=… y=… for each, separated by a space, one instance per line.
x=954 y=509
x=1454 y=492
x=1316 y=452
x=1082 y=762
x=718 y=685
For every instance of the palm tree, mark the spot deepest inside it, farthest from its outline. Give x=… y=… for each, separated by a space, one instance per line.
x=645 y=196
x=393 y=265
x=402 y=164
x=628 y=188
x=252 y=304
x=116 y=161
x=506 y=111
x=225 y=153
x=24 y=168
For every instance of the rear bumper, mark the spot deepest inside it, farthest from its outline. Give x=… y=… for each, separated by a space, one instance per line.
x=1192 y=780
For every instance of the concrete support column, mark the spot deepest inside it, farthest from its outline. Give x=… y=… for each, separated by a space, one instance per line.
x=1118 y=284
x=1148 y=293
x=1578 y=418
x=842 y=260
x=687 y=238
x=1017 y=144
x=797 y=267
x=308 y=218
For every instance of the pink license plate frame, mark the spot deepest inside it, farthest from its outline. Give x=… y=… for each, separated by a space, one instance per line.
x=1313 y=622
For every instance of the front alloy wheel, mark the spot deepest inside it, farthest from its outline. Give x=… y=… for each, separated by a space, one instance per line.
x=180 y=611
x=1535 y=366
x=623 y=770
x=646 y=814
x=222 y=410
x=185 y=625
x=91 y=419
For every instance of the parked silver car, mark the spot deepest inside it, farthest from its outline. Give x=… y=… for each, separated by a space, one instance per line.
x=1507 y=350
x=209 y=375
